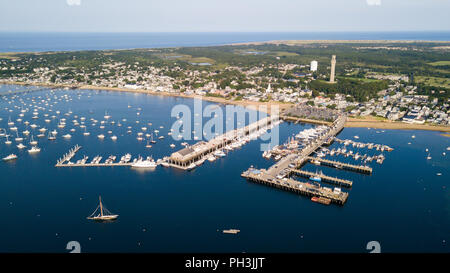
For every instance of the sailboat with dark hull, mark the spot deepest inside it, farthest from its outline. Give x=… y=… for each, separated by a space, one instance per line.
x=101 y=213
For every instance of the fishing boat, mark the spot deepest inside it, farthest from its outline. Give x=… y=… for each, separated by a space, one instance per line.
x=321 y=200
x=219 y=153
x=316 y=162
x=10 y=157
x=315 y=178
x=101 y=213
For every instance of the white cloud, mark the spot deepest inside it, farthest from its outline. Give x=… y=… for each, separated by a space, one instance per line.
x=73 y=2
x=373 y=2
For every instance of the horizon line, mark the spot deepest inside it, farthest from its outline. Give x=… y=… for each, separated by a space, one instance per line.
x=256 y=31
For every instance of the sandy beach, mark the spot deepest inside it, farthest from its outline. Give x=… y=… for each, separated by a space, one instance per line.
x=305 y=42
x=374 y=123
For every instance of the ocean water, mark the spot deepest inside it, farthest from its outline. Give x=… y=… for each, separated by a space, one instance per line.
x=404 y=204
x=38 y=42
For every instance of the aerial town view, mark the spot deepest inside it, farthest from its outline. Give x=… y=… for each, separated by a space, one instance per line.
x=259 y=135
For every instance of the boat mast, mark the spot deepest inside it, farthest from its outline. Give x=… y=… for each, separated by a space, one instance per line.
x=101 y=206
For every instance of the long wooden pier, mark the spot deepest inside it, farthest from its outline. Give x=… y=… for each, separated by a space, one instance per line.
x=191 y=154
x=341 y=165
x=289 y=163
x=323 y=177
x=307 y=189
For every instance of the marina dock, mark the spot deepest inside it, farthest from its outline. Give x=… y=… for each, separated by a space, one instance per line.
x=67 y=157
x=324 y=178
x=340 y=165
x=276 y=175
x=95 y=165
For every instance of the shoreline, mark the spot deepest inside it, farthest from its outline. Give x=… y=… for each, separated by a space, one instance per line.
x=351 y=122
x=357 y=41
x=395 y=125
x=251 y=104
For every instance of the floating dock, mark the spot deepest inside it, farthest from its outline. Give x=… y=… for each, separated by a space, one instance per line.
x=67 y=157
x=94 y=165
x=324 y=178
x=341 y=165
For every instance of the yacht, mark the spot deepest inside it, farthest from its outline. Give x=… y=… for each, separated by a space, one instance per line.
x=126 y=158
x=10 y=157
x=101 y=136
x=147 y=163
x=114 y=137
x=34 y=150
x=21 y=146
x=219 y=153
x=67 y=136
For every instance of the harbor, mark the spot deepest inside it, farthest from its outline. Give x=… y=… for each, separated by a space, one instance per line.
x=292 y=155
x=254 y=207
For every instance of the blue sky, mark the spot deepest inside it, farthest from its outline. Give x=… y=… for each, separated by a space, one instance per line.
x=223 y=15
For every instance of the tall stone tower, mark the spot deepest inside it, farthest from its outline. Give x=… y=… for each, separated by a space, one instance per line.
x=333 y=68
